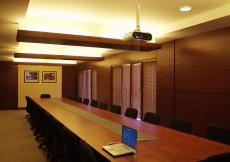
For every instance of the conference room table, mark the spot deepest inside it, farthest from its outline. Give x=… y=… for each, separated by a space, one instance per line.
x=167 y=145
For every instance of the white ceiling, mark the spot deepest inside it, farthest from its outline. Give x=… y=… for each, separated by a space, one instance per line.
x=105 y=18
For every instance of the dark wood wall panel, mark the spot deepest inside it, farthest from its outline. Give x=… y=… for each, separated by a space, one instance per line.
x=9 y=85
x=137 y=55
x=87 y=65
x=103 y=95
x=104 y=73
x=202 y=62
x=68 y=90
x=120 y=58
x=203 y=109
x=68 y=75
x=0 y=97
x=9 y=74
x=165 y=106
x=165 y=67
x=10 y=97
x=165 y=83
x=104 y=81
x=68 y=81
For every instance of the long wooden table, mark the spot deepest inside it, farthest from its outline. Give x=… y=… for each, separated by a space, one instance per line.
x=170 y=145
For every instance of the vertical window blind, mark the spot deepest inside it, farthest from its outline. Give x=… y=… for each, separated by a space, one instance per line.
x=149 y=87
x=116 y=85
x=136 y=87
x=94 y=84
x=125 y=84
x=80 y=86
x=85 y=84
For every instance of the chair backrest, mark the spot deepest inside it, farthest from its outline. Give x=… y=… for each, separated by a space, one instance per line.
x=103 y=105
x=86 y=101
x=79 y=99
x=73 y=97
x=223 y=157
x=86 y=152
x=151 y=117
x=48 y=139
x=131 y=112
x=182 y=125
x=45 y=96
x=94 y=103
x=72 y=150
x=58 y=142
x=116 y=109
x=218 y=133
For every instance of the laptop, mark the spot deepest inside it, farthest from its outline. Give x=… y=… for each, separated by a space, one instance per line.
x=127 y=145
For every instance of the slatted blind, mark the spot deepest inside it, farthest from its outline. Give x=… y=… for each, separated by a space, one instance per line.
x=149 y=87
x=84 y=83
x=80 y=74
x=136 y=87
x=88 y=84
x=116 y=85
x=94 y=84
x=125 y=84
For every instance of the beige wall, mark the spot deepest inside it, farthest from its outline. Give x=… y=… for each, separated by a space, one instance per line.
x=35 y=89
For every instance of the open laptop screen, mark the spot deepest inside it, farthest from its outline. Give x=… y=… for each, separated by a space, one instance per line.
x=129 y=136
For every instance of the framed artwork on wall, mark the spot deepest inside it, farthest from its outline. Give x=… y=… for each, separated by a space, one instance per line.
x=31 y=76
x=49 y=76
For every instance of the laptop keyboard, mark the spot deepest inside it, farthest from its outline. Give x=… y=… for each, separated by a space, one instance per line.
x=121 y=148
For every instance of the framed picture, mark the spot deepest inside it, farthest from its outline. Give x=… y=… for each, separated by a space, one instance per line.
x=31 y=76
x=49 y=76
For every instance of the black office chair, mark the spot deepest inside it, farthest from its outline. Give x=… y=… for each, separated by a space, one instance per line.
x=103 y=105
x=94 y=103
x=43 y=125
x=223 y=157
x=73 y=97
x=115 y=109
x=131 y=112
x=27 y=106
x=48 y=139
x=45 y=96
x=58 y=143
x=182 y=125
x=218 y=133
x=79 y=99
x=86 y=101
x=151 y=117
x=71 y=150
x=86 y=152
x=39 y=120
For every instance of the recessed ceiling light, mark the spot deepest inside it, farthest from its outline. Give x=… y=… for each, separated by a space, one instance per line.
x=185 y=8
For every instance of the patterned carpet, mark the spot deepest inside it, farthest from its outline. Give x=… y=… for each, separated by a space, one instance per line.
x=17 y=142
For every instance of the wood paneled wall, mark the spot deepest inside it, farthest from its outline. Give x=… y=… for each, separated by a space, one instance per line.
x=193 y=76
x=202 y=79
x=165 y=83
x=8 y=86
x=69 y=81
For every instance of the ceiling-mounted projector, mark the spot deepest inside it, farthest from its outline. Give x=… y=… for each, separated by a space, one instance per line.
x=137 y=35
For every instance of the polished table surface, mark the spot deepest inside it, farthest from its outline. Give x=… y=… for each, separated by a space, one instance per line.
x=170 y=145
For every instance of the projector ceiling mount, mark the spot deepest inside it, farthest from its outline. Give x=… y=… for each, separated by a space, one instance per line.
x=137 y=35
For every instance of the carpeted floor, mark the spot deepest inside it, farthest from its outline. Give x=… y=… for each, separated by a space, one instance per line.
x=17 y=142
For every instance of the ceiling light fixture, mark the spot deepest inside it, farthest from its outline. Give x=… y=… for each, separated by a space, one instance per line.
x=44 y=61
x=185 y=8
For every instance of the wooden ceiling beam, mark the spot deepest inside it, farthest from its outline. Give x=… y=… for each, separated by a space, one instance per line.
x=59 y=57
x=86 y=41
